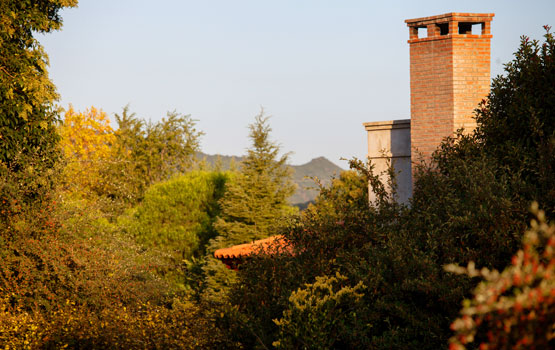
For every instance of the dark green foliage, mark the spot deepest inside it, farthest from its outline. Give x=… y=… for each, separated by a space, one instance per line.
x=517 y=122
x=336 y=224
x=471 y=205
x=396 y=252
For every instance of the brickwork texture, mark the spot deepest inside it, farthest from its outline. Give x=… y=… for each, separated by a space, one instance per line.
x=449 y=76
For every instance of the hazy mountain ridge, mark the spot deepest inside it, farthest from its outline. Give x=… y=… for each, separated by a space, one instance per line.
x=307 y=189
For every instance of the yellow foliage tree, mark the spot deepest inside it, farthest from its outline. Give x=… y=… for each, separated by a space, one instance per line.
x=86 y=141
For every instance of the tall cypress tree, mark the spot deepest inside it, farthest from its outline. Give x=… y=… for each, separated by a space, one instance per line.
x=255 y=200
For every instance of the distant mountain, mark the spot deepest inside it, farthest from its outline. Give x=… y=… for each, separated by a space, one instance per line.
x=307 y=190
x=303 y=175
x=224 y=161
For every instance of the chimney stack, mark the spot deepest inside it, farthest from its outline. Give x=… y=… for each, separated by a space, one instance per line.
x=449 y=76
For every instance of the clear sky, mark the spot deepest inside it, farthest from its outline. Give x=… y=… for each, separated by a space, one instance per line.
x=320 y=68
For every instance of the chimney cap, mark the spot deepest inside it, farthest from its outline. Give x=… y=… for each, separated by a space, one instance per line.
x=449 y=17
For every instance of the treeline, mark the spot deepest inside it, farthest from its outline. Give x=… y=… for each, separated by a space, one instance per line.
x=107 y=234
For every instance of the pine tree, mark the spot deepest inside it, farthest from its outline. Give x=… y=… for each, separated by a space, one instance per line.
x=258 y=196
x=255 y=200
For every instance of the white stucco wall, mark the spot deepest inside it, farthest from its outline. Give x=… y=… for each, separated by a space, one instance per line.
x=390 y=141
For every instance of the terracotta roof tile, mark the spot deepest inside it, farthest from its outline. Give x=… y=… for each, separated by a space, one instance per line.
x=244 y=250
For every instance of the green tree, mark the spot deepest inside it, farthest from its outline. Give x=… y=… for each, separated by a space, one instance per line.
x=254 y=202
x=147 y=153
x=177 y=218
x=516 y=124
x=258 y=196
x=27 y=113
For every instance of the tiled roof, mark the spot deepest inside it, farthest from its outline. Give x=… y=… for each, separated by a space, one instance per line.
x=244 y=250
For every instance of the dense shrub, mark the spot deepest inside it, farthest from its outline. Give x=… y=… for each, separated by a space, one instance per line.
x=325 y=237
x=514 y=309
x=51 y=252
x=318 y=310
x=176 y=219
x=70 y=277
x=143 y=326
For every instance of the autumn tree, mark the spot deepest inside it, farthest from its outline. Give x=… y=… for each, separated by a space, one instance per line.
x=87 y=142
x=254 y=201
x=119 y=165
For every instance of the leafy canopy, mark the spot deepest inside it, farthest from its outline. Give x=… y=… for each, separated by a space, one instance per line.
x=147 y=153
x=119 y=165
x=87 y=142
x=27 y=113
x=176 y=218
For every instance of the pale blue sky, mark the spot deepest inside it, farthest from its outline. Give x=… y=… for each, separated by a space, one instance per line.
x=320 y=67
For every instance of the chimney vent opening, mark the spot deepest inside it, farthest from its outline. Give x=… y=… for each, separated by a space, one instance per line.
x=465 y=28
x=471 y=28
x=443 y=28
x=422 y=32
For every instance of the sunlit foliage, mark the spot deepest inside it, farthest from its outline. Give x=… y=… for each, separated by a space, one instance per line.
x=176 y=218
x=147 y=153
x=329 y=305
x=87 y=142
x=117 y=166
x=27 y=111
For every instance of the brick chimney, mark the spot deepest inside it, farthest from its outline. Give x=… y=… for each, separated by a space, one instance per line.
x=449 y=76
